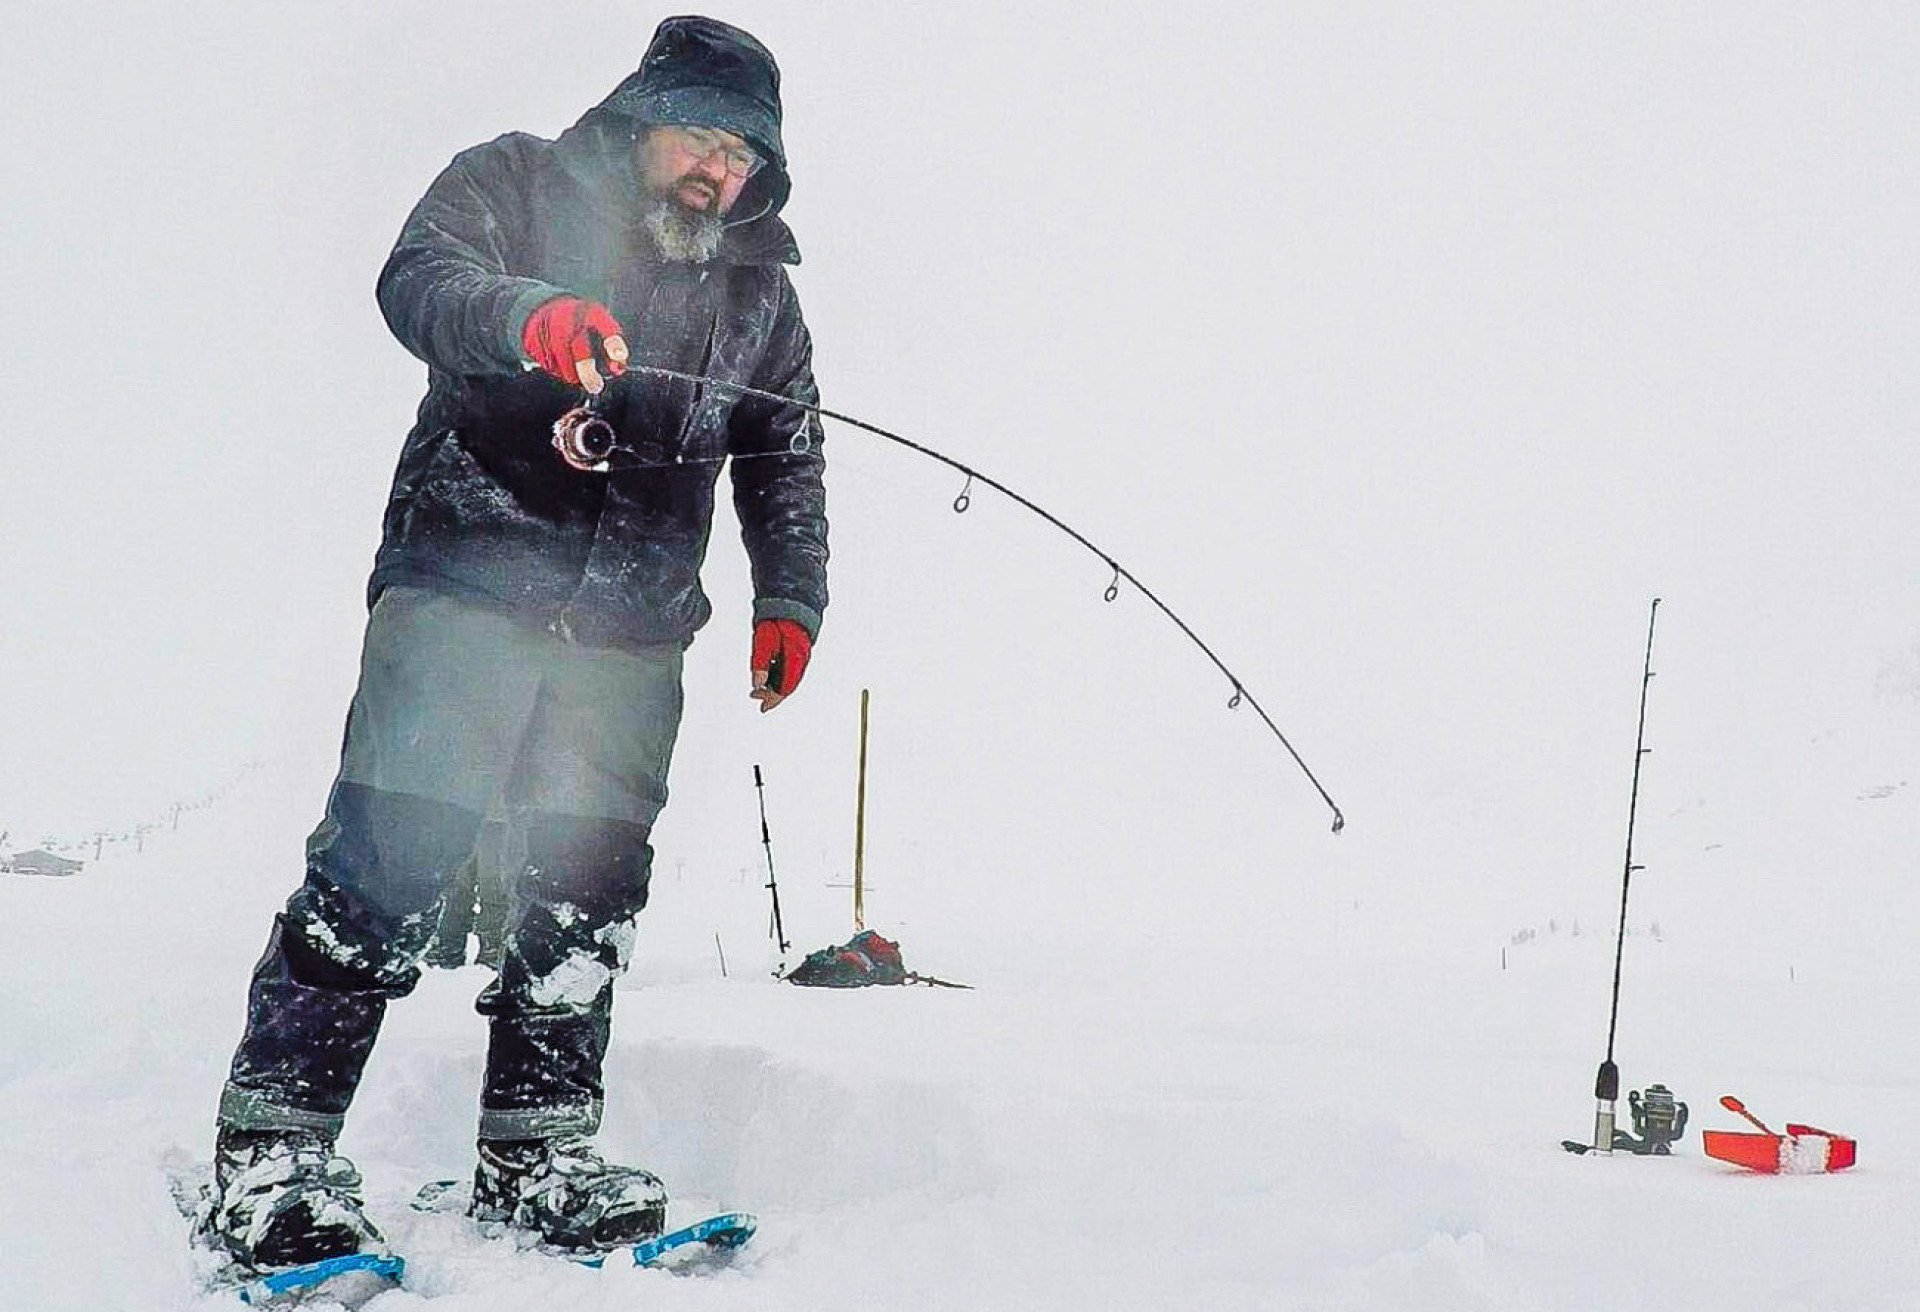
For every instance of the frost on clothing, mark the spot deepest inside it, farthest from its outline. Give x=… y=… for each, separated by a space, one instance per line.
x=338 y=956
x=550 y=1009
x=480 y=505
x=459 y=706
x=579 y=977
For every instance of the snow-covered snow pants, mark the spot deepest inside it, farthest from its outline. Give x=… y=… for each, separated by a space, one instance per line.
x=462 y=707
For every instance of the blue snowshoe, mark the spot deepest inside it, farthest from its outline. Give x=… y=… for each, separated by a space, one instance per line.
x=285 y=1212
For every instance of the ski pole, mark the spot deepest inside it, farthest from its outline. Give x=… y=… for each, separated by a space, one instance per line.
x=860 y=826
x=1606 y=1084
x=915 y=977
x=773 y=886
x=598 y=445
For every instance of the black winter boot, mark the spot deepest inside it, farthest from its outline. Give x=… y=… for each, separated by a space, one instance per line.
x=283 y=1198
x=563 y=1191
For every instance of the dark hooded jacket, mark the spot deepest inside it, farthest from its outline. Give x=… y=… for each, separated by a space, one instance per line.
x=481 y=503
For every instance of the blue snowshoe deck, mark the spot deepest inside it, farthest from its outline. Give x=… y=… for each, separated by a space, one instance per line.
x=705 y=1243
x=351 y=1280
x=717 y=1237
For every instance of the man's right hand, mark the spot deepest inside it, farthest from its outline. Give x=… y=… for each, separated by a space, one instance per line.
x=574 y=340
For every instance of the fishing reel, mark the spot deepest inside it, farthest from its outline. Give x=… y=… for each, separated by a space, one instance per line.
x=584 y=439
x=1659 y=1119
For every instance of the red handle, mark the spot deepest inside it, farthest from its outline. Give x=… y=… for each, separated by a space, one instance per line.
x=1739 y=1108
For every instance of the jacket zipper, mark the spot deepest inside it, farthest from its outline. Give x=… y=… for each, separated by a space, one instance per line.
x=562 y=623
x=706 y=362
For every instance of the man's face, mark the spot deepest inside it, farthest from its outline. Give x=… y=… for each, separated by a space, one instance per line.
x=704 y=169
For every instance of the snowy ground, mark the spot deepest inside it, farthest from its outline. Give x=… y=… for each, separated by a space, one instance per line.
x=1407 y=351
x=1175 y=1112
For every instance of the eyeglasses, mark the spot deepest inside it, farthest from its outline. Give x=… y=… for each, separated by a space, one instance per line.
x=704 y=143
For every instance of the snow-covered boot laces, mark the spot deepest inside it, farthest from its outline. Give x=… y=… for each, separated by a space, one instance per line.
x=566 y=1193
x=284 y=1198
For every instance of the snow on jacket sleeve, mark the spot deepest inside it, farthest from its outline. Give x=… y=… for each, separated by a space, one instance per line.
x=781 y=499
x=448 y=290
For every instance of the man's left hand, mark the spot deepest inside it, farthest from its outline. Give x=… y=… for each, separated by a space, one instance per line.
x=780 y=652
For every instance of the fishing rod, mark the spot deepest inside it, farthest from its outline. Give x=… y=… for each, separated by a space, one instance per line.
x=587 y=441
x=1606 y=1085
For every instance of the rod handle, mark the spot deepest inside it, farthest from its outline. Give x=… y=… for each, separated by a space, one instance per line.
x=1606 y=1084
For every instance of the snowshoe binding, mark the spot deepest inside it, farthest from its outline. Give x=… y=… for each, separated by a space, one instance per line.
x=282 y=1199
x=562 y=1192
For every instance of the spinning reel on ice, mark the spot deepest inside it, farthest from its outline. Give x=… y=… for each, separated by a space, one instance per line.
x=1659 y=1119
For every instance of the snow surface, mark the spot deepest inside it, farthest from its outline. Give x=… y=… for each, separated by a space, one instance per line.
x=1408 y=351
x=1207 y=1113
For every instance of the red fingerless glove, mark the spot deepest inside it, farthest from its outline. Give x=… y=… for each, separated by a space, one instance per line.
x=780 y=651
x=566 y=331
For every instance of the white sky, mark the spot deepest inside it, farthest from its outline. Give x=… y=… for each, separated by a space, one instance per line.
x=1407 y=350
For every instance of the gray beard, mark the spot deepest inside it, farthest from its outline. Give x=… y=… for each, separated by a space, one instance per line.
x=681 y=235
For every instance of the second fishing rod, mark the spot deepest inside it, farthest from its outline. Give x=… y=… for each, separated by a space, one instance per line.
x=1606 y=1084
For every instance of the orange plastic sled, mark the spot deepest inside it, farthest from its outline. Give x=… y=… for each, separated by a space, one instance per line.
x=1802 y=1150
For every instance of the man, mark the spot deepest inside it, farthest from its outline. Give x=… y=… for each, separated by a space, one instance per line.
x=529 y=614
